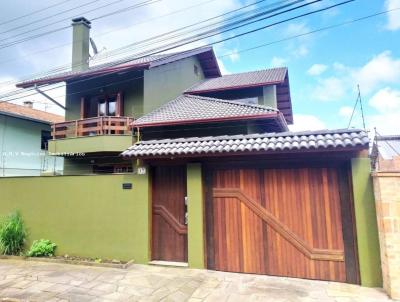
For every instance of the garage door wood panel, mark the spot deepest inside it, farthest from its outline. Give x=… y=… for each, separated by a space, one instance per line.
x=169 y=232
x=285 y=222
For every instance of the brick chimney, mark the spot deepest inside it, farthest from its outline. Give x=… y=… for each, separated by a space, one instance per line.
x=28 y=104
x=80 y=43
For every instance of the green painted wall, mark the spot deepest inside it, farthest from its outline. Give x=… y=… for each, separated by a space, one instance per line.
x=89 y=144
x=366 y=223
x=89 y=216
x=166 y=82
x=195 y=216
x=20 y=148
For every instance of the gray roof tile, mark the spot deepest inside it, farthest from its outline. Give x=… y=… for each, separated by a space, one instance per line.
x=245 y=79
x=191 y=108
x=388 y=146
x=265 y=142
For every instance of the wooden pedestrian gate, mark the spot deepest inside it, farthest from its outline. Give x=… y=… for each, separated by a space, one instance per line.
x=169 y=231
x=294 y=222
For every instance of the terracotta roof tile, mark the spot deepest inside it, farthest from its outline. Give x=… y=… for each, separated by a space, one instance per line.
x=26 y=112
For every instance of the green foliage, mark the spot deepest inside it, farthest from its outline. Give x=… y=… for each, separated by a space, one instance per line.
x=42 y=248
x=12 y=234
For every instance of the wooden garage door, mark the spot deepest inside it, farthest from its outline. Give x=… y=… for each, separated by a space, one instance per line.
x=284 y=221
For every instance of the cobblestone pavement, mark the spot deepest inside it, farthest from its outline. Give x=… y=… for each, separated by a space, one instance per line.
x=36 y=281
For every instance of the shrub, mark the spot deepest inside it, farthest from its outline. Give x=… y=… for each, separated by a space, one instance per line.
x=12 y=234
x=42 y=248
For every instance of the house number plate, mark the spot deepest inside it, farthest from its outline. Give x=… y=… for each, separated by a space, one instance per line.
x=141 y=170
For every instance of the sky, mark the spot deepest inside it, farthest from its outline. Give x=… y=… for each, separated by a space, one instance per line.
x=324 y=67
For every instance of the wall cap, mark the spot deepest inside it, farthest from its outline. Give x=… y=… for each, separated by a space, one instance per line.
x=386 y=174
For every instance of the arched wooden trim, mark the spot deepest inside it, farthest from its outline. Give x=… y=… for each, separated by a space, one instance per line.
x=278 y=226
x=170 y=219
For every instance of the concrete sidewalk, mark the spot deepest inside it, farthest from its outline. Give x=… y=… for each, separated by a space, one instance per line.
x=35 y=281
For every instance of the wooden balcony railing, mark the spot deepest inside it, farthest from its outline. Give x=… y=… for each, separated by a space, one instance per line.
x=103 y=125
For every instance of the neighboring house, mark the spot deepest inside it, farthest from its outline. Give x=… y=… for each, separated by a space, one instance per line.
x=386 y=153
x=218 y=157
x=24 y=135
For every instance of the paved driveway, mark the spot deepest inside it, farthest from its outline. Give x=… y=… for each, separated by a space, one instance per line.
x=35 y=281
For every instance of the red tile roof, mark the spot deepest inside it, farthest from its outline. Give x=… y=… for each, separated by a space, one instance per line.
x=30 y=113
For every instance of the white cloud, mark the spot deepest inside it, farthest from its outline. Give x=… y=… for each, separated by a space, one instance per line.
x=300 y=48
x=296 y=29
x=345 y=111
x=306 y=122
x=234 y=55
x=301 y=51
x=317 y=69
x=339 y=66
x=329 y=89
x=387 y=104
x=381 y=69
x=386 y=100
x=393 y=21
x=278 y=62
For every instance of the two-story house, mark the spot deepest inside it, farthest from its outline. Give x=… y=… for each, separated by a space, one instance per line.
x=231 y=188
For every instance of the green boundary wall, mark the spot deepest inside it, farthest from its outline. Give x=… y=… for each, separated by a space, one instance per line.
x=94 y=216
x=89 y=216
x=366 y=223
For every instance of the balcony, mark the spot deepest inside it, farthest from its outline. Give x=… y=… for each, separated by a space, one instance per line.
x=98 y=134
x=103 y=125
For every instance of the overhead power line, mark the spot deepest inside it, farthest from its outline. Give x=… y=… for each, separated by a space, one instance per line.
x=48 y=17
x=119 y=11
x=138 y=42
x=311 y=32
x=34 y=12
x=158 y=51
x=27 y=55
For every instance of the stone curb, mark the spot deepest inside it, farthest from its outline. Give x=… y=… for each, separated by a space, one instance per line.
x=70 y=261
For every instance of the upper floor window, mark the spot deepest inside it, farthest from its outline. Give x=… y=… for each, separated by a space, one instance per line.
x=45 y=137
x=102 y=105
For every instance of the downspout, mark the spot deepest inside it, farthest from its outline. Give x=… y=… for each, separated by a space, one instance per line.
x=138 y=141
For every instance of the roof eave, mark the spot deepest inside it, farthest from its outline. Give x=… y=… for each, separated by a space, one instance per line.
x=209 y=120
x=194 y=91
x=82 y=75
x=349 y=150
x=35 y=120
